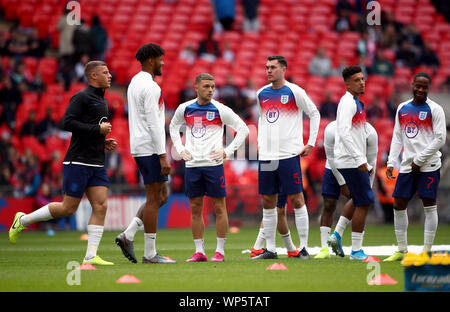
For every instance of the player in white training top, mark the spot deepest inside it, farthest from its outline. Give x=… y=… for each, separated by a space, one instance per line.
x=350 y=150
x=203 y=153
x=420 y=129
x=146 y=120
x=333 y=183
x=280 y=145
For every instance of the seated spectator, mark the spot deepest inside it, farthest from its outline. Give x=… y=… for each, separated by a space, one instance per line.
x=209 y=48
x=118 y=176
x=405 y=57
x=188 y=54
x=229 y=93
x=375 y=109
x=20 y=75
x=227 y=53
x=82 y=40
x=320 y=64
x=225 y=12
x=30 y=127
x=412 y=34
x=15 y=45
x=46 y=126
x=389 y=39
x=37 y=84
x=65 y=74
x=343 y=23
x=79 y=68
x=328 y=107
x=10 y=98
x=36 y=45
x=381 y=66
x=188 y=93
x=343 y=6
x=429 y=57
x=31 y=176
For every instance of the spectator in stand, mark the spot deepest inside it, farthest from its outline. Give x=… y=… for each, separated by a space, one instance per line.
x=10 y=98
x=375 y=109
x=30 y=127
x=44 y=197
x=15 y=46
x=251 y=21
x=209 y=48
x=5 y=175
x=328 y=107
x=411 y=34
x=65 y=74
x=31 y=176
x=36 y=45
x=429 y=57
x=343 y=6
x=188 y=54
x=405 y=57
x=381 y=66
x=225 y=12
x=229 y=94
x=82 y=40
x=343 y=23
x=227 y=53
x=99 y=39
x=79 y=68
x=3 y=47
x=248 y=96
x=46 y=126
x=320 y=64
x=188 y=93
x=37 y=84
x=390 y=38
x=66 y=30
x=20 y=75
x=118 y=176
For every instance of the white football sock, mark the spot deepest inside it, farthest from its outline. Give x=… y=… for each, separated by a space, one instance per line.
x=270 y=220
x=324 y=233
x=149 y=245
x=401 y=228
x=221 y=245
x=41 y=214
x=341 y=225
x=260 y=240
x=199 y=245
x=431 y=223
x=132 y=228
x=95 y=233
x=287 y=240
x=302 y=224
x=357 y=239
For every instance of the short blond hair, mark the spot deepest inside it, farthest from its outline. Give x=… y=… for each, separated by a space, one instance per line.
x=90 y=66
x=203 y=76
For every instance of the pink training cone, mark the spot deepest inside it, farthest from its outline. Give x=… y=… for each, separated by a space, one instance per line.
x=125 y=279
x=383 y=279
x=371 y=259
x=277 y=266
x=86 y=266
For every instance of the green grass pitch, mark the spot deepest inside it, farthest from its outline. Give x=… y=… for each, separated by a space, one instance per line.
x=38 y=262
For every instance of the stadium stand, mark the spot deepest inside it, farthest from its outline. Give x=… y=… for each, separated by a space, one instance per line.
x=295 y=29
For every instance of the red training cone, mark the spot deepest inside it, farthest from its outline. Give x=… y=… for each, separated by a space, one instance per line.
x=277 y=266
x=383 y=279
x=371 y=259
x=128 y=279
x=86 y=266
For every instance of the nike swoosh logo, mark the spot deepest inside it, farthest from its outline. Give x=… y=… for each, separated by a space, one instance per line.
x=14 y=224
x=264 y=101
x=404 y=114
x=189 y=115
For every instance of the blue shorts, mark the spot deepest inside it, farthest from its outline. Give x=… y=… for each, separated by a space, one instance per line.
x=358 y=184
x=425 y=183
x=205 y=181
x=150 y=169
x=282 y=200
x=330 y=186
x=77 y=178
x=285 y=178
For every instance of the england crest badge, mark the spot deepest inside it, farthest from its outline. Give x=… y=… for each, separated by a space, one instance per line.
x=210 y=115
x=422 y=115
x=284 y=99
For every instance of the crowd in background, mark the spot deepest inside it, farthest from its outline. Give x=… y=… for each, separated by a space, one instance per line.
x=381 y=50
